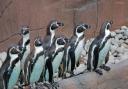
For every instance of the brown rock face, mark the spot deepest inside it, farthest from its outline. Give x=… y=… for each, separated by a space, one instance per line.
x=37 y=14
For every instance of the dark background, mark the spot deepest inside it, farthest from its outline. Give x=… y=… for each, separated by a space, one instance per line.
x=38 y=13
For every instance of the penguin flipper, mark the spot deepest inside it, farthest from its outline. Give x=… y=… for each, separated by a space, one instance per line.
x=107 y=58
x=92 y=58
x=95 y=56
x=72 y=56
x=62 y=68
x=50 y=69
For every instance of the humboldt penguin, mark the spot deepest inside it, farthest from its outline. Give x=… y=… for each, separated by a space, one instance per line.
x=50 y=37
x=50 y=34
x=98 y=54
x=54 y=58
x=76 y=45
x=10 y=70
x=37 y=63
x=24 y=43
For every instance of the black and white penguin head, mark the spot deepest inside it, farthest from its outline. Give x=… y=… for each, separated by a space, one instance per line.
x=79 y=29
x=105 y=28
x=14 y=51
x=38 y=42
x=60 y=42
x=53 y=25
x=25 y=30
x=38 y=45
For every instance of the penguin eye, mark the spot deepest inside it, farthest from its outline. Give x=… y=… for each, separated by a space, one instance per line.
x=54 y=26
x=14 y=51
x=80 y=29
x=24 y=31
x=60 y=42
x=38 y=43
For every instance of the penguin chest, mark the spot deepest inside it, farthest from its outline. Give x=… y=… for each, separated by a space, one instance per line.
x=56 y=62
x=25 y=55
x=103 y=53
x=79 y=49
x=14 y=76
x=37 y=69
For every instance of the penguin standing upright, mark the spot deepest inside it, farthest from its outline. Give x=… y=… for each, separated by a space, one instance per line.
x=10 y=70
x=37 y=63
x=54 y=58
x=76 y=45
x=50 y=37
x=50 y=34
x=25 y=44
x=98 y=54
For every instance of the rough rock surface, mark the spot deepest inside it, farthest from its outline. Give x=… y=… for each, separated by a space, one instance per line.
x=119 y=46
x=117 y=78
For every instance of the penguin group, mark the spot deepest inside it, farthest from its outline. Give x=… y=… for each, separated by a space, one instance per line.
x=53 y=56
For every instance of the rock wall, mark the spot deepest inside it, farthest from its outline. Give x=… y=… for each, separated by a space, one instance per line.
x=37 y=14
x=117 y=78
x=119 y=46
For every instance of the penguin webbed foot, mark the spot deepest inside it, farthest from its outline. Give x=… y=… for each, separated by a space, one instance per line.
x=34 y=85
x=18 y=86
x=64 y=76
x=106 y=68
x=23 y=86
x=98 y=71
x=72 y=74
x=55 y=85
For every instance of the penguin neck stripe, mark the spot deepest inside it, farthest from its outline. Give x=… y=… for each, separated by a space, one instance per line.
x=107 y=33
x=78 y=34
x=49 y=30
x=27 y=42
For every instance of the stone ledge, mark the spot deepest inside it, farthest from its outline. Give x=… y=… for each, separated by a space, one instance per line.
x=117 y=78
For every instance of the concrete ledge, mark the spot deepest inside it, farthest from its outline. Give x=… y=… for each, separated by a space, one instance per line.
x=117 y=78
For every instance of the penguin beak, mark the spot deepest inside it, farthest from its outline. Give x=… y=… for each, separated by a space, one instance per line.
x=87 y=26
x=60 y=24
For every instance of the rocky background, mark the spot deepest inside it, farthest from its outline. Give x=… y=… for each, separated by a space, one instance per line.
x=38 y=13
x=119 y=46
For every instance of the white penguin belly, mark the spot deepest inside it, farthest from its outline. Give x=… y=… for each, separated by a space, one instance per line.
x=26 y=53
x=55 y=64
x=37 y=69
x=79 y=49
x=103 y=53
x=14 y=76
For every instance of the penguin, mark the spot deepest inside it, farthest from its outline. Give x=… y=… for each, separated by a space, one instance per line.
x=63 y=67
x=75 y=47
x=50 y=37
x=50 y=34
x=54 y=58
x=98 y=54
x=24 y=43
x=10 y=70
x=37 y=63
